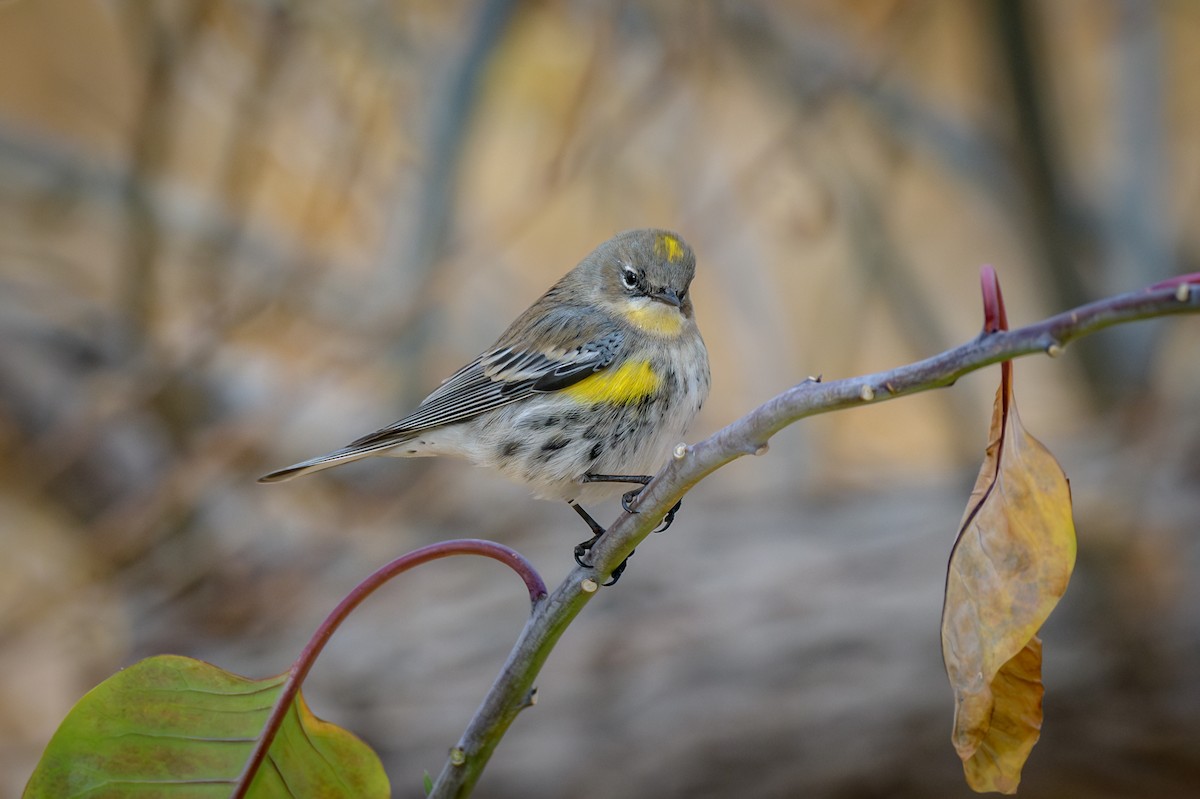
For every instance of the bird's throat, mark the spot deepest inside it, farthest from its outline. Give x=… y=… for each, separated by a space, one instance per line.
x=657 y=318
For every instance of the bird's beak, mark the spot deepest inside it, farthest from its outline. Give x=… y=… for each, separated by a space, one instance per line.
x=669 y=296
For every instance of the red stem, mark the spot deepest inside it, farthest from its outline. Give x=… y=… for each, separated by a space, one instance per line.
x=308 y=656
x=994 y=316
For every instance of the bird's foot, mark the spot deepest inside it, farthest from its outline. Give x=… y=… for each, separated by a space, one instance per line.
x=627 y=502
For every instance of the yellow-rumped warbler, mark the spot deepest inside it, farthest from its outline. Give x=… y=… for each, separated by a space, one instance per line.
x=592 y=385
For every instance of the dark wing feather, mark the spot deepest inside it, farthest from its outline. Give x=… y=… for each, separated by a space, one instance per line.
x=499 y=377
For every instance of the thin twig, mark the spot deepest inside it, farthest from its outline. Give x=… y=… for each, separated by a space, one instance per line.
x=513 y=689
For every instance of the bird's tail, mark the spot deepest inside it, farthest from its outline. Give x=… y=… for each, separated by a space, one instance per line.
x=346 y=454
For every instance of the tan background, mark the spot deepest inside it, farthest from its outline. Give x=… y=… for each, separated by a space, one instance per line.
x=234 y=235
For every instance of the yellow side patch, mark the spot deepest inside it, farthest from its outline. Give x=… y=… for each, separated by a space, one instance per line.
x=625 y=385
x=668 y=247
x=657 y=318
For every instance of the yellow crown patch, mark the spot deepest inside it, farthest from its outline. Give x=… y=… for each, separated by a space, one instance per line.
x=669 y=247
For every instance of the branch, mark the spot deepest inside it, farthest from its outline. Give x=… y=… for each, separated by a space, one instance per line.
x=308 y=657
x=513 y=689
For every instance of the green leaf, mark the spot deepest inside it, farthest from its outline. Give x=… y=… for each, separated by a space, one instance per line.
x=175 y=727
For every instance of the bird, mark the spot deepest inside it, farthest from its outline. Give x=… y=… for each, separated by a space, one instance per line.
x=591 y=387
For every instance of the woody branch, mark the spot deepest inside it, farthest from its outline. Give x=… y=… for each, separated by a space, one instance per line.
x=513 y=689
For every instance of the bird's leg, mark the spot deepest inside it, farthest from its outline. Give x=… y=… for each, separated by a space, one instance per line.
x=642 y=479
x=628 y=497
x=597 y=531
x=584 y=547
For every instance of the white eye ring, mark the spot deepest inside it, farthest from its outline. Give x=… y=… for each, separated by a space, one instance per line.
x=629 y=277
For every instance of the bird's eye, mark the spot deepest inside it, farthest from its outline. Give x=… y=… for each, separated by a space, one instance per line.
x=629 y=277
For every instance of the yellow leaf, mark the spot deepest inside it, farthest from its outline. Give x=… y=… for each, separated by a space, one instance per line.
x=1008 y=569
x=1015 y=722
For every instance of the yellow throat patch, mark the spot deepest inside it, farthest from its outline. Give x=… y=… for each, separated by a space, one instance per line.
x=655 y=317
x=629 y=383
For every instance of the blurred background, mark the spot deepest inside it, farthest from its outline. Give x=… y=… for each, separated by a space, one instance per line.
x=237 y=234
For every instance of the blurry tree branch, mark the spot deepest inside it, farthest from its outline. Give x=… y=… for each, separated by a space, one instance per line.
x=414 y=252
x=452 y=115
x=814 y=64
x=244 y=158
x=1057 y=223
x=165 y=55
x=889 y=273
x=1048 y=213
x=750 y=435
x=1137 y=219
x=178 y=211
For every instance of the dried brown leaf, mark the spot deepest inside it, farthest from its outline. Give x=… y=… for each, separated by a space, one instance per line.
x=1009 y=567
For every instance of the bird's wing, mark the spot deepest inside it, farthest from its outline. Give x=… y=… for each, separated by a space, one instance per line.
x=556 y=350
x=505 y=374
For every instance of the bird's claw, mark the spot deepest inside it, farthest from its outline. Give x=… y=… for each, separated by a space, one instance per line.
x=669 y=518
x=617 y=572
x=627 y=502
x=584 y=547
x=628 y=497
